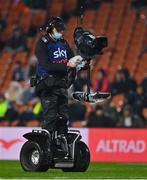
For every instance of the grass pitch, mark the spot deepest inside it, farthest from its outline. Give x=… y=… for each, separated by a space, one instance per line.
x=12 y=169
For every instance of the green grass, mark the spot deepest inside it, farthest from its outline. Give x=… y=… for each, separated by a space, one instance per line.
x=12 y=169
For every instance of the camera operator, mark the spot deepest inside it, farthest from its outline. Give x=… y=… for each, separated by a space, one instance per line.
x=55 y=58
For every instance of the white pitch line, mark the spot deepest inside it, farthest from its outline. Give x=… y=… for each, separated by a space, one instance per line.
x=59 y=178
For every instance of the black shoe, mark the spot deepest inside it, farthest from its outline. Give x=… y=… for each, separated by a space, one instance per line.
x=64 y=145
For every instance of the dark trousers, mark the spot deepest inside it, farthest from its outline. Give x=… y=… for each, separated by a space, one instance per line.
x=54 y=99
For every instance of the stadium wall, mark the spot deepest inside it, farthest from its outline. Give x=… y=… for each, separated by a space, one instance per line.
x=106 y=145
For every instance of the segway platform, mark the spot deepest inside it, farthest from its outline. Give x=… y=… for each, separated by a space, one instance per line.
x=41 y=152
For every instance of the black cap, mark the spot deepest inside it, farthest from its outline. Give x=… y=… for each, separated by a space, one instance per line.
x=59 y=25
x=56 y=22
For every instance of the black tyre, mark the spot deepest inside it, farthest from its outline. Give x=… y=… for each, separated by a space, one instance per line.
x=32 y=157
x=82 y=158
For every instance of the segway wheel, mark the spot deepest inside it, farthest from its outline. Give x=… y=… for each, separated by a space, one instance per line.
x=82 y=158
x=32 y=157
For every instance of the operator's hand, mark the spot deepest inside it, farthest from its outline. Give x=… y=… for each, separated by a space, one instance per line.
x=74 y=61
x=81 y=65
x=71 y=65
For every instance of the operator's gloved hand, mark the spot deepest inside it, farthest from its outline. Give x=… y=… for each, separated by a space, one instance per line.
x=74 y=61
x=81 y=65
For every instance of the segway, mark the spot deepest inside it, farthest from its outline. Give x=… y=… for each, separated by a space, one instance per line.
x=42 y=151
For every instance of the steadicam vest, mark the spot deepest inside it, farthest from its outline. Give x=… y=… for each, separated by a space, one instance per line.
x=57 y=53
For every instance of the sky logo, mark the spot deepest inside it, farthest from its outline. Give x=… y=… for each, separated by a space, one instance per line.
x=60 y=53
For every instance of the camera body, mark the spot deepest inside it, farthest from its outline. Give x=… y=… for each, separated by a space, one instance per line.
x=88 y=44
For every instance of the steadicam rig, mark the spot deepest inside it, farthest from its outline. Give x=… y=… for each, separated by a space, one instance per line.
x=88 y=46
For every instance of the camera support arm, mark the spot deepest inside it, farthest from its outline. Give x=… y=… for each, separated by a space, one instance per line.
x=88 y=96
x=88 y=76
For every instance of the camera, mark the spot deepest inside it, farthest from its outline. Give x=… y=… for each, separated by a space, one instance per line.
x=87 y=43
